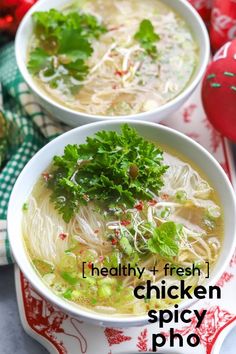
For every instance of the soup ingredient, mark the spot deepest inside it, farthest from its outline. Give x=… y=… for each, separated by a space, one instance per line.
x=63 y=43
x=112 y=58
x=165 y=239
x=147 y=37
x=116 y=168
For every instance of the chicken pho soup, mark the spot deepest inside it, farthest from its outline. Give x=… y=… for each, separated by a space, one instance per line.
x=112 y=58
x=116 y=200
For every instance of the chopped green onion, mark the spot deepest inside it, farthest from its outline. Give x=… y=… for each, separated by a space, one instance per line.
x=75 y=295
x=68 y=294
x=69 y=278
x=165 y=213
x=107 y=281
x=25 y=207
x=89 y=281
x=181 y=196
x=104 y=291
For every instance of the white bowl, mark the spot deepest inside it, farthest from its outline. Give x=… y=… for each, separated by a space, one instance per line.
x=151 y=131
x=75 y=118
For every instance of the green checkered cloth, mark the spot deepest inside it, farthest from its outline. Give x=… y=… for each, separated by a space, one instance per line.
x=24 y=129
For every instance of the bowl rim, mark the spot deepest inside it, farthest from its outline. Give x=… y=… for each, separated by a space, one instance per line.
x=80 y=311
x=205 y=44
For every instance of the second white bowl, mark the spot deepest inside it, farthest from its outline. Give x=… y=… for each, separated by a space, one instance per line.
x=75 y=118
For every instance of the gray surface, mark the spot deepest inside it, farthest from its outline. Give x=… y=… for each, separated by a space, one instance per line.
x=13 y=339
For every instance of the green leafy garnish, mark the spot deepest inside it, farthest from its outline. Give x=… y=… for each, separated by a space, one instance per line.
x=67 y=294
x=165 y=239
x=39 y=59
x=100 y=171
x=126 y=246
x=63 y=40
x=147 y=37
x=70 y=278
x=181 y=196
x=73 y=45
x=25 y=207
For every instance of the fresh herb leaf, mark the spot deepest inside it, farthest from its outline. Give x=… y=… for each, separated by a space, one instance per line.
x=147 y=37
x=99 y=170
x=126 y=246
x=47 y=22
x=63 y=40
x=39 y=60
x=78 y=69
x=74 y=45
x=165 y=239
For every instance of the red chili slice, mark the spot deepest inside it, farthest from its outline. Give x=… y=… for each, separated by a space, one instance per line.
x=125 y=222
x=46 y=176
x=114 y=241
x=121 y=72
x=63 y=236
x=139 y=206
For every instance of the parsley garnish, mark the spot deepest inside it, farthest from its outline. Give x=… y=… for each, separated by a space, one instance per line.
x=65 y=40
x=39 y=59
x=102 y=171
x=147 y=37
x=165 y=239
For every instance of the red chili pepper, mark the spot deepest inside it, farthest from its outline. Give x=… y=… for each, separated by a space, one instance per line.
x=139 y=206
x=114 y=241
x=63 y=236
x=121 y=72
x=90 y=265
x=125 y=222
x=46 y=176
